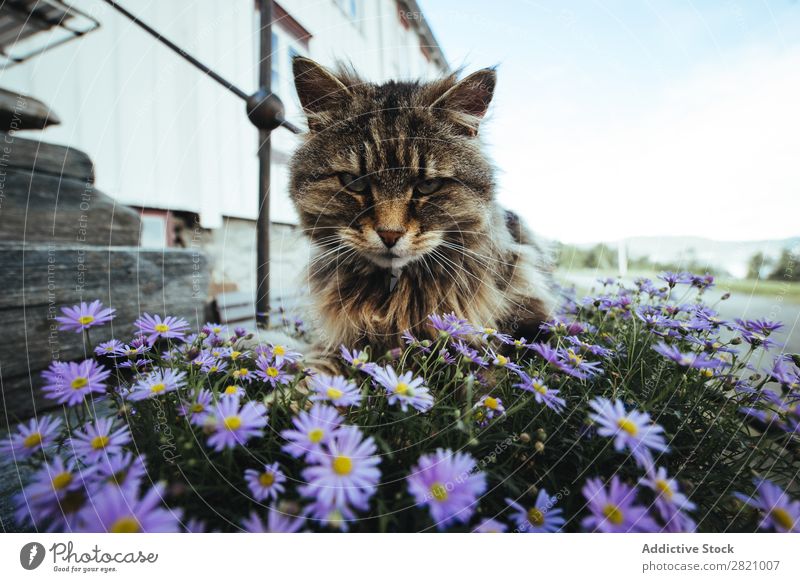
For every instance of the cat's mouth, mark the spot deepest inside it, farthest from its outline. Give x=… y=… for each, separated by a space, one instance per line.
x=390 y=260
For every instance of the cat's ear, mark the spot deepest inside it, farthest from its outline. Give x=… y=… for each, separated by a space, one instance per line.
x=319 y=90
x=467 y=101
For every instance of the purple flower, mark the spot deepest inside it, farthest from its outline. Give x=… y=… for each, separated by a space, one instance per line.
x=576 y=366
x=490 y=526
x=670 y=502
x=110 y=348
x=69 y=383
x=344 y=472
x=277 y=522
x=688 y=359
x=632 y=430
x=99 y=438
x=613 y=510
x=543 y=517
x=232 y=425
x=448 y=484
x=154 y=327
x=120 y=510
x=280 y=354
x=502 y=361
x=490 y=333
x=312 y=429
x=83 y=316
x=470 y=353
x=334 y=389
x=779 y=512
x=196 y=410
x=358 y=359
x=31 y=438
x=267 y=483
x=271 y=372
x=487 y=408
x=541 y=393
x=451 y=325
x=673 y=279
x=703 y=282
x=589 y=348
x=404 y=389
x=332 y=516
x=547 y=352
x=53 y=496
x=121 y=469
x=157 y=383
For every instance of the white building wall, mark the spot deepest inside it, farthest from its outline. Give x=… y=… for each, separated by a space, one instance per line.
x=161 y=134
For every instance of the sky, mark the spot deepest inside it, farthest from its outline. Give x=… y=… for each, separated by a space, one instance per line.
x=616 y=119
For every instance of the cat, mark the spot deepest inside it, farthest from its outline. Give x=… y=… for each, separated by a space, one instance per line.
x=398 y=200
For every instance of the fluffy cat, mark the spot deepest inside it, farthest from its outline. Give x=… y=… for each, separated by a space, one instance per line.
x=397 y=197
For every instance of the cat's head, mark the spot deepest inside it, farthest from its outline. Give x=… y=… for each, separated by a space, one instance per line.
x=390 y=172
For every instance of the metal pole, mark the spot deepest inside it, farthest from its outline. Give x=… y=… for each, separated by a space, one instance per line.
x=262 y=224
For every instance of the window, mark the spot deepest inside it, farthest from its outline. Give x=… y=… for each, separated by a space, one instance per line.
x=351 y=9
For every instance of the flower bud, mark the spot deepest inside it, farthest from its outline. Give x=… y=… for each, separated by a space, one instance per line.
x=525 y=437
x=538 y=447
x=541 y=434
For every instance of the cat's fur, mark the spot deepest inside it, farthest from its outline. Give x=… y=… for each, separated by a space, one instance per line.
x=458 y=250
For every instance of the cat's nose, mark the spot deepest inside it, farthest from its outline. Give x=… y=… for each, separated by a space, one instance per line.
x=390 y=237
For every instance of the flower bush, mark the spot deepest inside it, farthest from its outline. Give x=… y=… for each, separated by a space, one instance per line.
x=639 y=409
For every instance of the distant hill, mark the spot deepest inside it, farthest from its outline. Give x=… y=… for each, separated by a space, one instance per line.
x=731 y=256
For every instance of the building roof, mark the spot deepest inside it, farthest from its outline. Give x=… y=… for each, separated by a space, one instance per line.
x=411 y=13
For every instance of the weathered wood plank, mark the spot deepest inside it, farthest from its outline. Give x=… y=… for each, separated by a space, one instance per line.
x=41 y=278
x=41 y=157
x=45 y=208
x=18 y=111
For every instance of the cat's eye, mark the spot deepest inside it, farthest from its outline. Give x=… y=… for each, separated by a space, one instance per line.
x=358 y=184
x=428 y=186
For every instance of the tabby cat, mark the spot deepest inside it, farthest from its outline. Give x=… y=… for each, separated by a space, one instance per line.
x=398 y=200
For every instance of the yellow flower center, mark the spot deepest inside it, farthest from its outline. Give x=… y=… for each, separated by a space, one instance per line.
x=357 y=362
x=125 y=524
x=232 y=422
x=85 y=319
x=156 y=388
x=316 y=435
x=334 y=393
x=62 y=480
x=242 y=372
x=79 y=383
x=235 y=355
x=539 y=387
x=342 y=465
x=574 y=358
x=439 y=491
x=161 y=327
x=33 y=440
x=664 y=488
x=489 y=330
x=100 y=442
x=628 y=426
x=279 y=351
x=613 y=513
x=782 y=517
x=501 y=360
x=197 y=407
x=272 y=372
x=401 y=388
x=535 y=516
x=707 y=372
x=213 y=368
x=491 y=403
x=231 y=390
x=266 y=479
